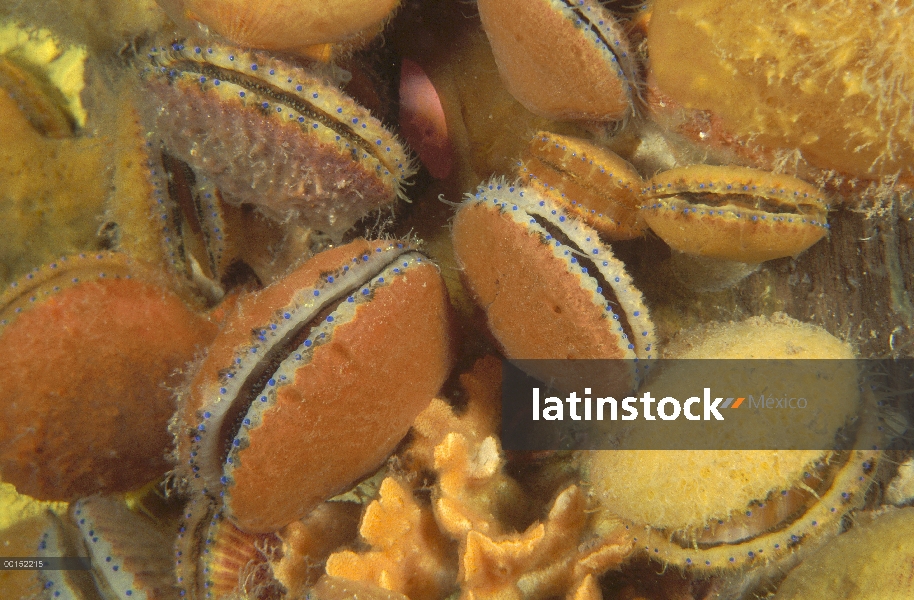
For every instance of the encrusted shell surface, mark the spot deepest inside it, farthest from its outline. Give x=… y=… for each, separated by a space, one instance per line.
x=832 y=80
x=270 y=134
x=873 y=561
x=729 y=509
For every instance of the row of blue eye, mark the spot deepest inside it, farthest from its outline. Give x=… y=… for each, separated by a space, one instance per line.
x=584 y=158
x=262 y=337
x=307 y=343
x=316 y=125
x=729 y=186
x=164 y=217
x=711 y=212
x=580 y=205
x=794 y=539
x=108 y=560
x=595 y=251
x=701 y=186
x=286 y=315
x=600 y=43
x=236 y=443
x=210 y=540
x=575 y=202
x=56 y=288
x=298 y=88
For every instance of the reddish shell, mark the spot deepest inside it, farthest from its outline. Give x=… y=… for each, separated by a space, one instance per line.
x=281 y=433
x=422 y=120
x=86 y=395
x=236 y=562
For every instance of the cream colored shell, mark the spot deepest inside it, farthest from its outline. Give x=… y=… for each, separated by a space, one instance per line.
x=684 y=490
x=871 y=562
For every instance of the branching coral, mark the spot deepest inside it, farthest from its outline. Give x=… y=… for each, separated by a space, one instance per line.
x=408 y=554
x=474 y=502
x=549 y=558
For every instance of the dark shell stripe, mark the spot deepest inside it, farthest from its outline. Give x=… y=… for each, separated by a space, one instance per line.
x=527 y=207
x=288 y=94
x=320 y=334
x=206 y=455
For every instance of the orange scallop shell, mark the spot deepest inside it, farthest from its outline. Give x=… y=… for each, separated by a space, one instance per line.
x=87 y=393
x=730 y=227
x=549 y=287
x=593 y=183
x=338 y=412
x=555 y=66
x=283 y=25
